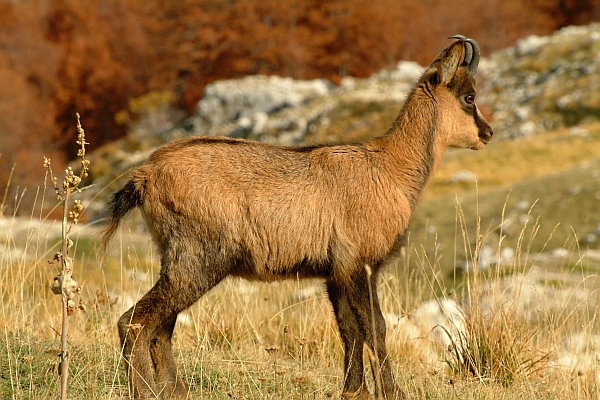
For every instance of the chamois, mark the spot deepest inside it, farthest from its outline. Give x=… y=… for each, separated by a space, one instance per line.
x=221 y=206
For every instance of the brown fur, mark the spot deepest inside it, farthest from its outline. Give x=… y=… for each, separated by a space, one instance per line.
x=218 y=206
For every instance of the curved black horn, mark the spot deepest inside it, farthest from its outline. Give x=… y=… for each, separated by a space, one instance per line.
x=472 y=55
x=474 y=63
x=468 y=55
x=468 y=50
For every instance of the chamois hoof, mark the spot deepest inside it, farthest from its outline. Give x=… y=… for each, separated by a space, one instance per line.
x=394 y=394
x=360 y=394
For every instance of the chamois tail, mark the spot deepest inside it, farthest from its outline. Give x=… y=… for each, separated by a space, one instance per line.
x=120 y=204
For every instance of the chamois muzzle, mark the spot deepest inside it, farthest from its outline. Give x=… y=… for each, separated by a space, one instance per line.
x=472 y=54
x=486 y=137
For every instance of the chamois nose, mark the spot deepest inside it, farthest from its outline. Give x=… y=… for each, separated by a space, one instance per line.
x=486 y=136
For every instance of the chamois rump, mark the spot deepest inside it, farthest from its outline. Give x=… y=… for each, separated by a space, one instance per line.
x=220 y=206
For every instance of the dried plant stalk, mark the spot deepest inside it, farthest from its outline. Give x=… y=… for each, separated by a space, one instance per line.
x=64 y=284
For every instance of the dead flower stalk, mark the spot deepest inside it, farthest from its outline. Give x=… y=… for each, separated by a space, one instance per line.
x=63 y=283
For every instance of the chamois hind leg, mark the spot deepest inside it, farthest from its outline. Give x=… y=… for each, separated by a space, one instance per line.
x=372 y=323
x=147 y=328
x=353 y=339
x=161 y=352
x=135 y=328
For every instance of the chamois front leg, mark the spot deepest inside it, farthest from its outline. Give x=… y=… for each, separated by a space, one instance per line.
x=365 y=304
x=353 y=339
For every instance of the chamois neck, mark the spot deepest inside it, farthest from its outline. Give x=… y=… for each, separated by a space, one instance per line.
x=413 y=144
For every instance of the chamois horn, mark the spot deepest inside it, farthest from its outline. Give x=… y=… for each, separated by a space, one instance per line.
x=471 y=54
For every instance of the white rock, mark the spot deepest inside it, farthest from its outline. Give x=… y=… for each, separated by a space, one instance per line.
x=463 y=176
x=531 y=44
x=228 y=100
x=408 y=70
x=442 y=319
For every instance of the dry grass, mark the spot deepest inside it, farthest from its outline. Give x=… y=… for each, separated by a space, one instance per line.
x=529 y=325
x=260 y=341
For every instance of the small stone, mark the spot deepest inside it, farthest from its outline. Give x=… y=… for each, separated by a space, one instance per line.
x=463 y=176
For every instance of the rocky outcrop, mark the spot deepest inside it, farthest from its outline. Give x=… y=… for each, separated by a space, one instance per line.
x=283 y=110
x=238 y=108
x=544 y=83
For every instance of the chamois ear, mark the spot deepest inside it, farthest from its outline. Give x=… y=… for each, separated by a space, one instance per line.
x=446 y=63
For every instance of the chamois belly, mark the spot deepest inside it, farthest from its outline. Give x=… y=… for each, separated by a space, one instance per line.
x=303 y=269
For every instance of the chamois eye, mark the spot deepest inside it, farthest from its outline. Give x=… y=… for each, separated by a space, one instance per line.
x=470 y=99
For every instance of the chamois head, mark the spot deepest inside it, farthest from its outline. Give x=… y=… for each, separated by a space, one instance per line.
x=452 y=83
